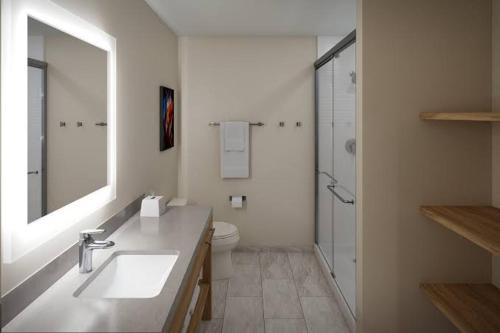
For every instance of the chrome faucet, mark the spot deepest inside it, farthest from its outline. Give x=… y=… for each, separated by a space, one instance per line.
x=86 y=245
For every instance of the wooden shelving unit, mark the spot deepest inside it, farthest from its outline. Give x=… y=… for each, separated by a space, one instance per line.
x=479 y=224
x=470 y=307
x=461 y=116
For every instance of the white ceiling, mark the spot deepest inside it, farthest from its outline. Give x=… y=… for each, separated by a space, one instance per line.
x=257 y=17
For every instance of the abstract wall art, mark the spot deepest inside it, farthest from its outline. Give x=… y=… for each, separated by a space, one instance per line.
x=166 y=118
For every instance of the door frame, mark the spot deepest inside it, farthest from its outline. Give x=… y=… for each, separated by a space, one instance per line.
x=43 y=66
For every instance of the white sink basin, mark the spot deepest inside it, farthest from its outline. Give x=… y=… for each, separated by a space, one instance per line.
x=130 y=274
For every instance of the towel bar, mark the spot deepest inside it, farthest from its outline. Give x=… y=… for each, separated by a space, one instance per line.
x=214 y=123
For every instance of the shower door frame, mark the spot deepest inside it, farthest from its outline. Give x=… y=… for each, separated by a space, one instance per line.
x=340 y=46
x=327 y=57
x=42 y=65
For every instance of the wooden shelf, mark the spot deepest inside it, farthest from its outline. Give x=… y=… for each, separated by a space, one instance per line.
x=461 y=116
x=470 y=307
x=479 y=224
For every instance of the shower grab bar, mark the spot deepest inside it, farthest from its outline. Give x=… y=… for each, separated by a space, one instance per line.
x=332 y=189
x=334 y=181
x=215 y=123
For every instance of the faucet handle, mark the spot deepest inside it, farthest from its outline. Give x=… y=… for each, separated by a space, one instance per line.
x=84 y=234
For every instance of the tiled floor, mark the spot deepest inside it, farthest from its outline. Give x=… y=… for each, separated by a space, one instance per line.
x=274 y=292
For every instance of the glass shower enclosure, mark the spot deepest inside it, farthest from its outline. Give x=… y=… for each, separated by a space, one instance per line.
x=336 y=164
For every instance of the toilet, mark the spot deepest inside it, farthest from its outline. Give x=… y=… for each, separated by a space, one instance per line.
x=224 y=240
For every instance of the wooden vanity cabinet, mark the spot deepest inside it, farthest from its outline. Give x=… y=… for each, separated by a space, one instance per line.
x=202 y=263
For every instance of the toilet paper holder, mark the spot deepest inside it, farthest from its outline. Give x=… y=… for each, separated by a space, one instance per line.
x=243 y=197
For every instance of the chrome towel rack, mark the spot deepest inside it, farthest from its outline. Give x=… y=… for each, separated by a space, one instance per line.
x=215 y=123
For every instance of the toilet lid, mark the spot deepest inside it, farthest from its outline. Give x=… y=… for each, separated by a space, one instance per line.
x=224 y=230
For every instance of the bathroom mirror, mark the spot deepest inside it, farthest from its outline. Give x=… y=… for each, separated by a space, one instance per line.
x=58 y=129
x=67 y=88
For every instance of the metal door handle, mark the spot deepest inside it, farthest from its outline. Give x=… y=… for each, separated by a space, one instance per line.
x=332 y=189
x=33 y=172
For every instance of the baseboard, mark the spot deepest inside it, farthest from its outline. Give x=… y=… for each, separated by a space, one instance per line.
x=344 y=308
x=243 y=248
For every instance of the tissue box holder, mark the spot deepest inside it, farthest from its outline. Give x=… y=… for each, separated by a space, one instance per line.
x=153 y=206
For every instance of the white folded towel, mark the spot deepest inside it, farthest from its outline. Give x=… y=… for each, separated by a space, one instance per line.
x=234 y=135
x=235 y=149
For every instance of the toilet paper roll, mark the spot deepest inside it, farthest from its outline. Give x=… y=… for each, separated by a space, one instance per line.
x=236 y=201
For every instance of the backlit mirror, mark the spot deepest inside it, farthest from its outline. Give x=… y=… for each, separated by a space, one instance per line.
x=67 y=119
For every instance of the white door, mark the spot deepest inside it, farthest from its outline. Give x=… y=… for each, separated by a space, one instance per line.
x=324 y=200
x=35 y=142
x=344 y=171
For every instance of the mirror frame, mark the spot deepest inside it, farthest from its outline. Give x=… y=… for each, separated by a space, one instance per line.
x=18 y=236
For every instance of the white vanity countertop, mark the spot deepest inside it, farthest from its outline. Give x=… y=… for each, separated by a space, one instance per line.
x=57 y=310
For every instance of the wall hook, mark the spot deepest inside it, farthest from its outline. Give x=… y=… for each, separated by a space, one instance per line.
x=62 y=124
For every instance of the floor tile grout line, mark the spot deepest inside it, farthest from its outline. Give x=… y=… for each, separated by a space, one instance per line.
x=225 y=304
x=297 y=289
x=227 y=297
x=262 y=290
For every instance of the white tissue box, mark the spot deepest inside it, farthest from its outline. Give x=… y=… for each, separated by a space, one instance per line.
x=153 y=206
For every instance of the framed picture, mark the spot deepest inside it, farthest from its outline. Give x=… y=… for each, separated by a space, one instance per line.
x=166 y=118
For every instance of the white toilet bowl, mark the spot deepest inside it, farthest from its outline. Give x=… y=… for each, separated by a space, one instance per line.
x=225 y=239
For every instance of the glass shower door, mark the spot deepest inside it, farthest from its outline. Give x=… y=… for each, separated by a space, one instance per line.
x=344 y=171
x=336 y=165
x=324 y=160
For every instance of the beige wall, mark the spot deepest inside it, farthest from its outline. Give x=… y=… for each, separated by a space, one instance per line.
x=420 y=56
x=496 y=127
x=146 y=59
x=76 y=85
x=255 y=79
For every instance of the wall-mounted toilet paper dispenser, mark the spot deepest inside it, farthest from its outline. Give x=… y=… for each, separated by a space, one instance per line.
x=237 y=200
